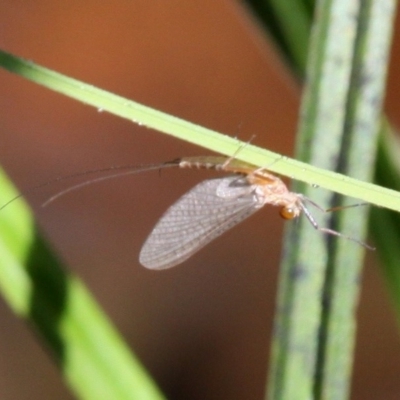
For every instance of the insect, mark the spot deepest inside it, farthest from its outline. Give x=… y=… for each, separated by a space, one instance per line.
x=211 y=207
x=216 y=205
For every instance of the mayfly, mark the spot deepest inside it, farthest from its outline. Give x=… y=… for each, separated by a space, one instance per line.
x=216 y=205
x=212 y=207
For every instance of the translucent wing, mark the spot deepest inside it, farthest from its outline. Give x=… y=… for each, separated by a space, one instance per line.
x=198 y=217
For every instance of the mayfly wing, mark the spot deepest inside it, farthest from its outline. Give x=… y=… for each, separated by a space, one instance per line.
x=196 y=219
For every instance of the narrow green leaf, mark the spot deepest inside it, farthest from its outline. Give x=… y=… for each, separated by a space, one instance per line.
x=385 y=224
x=319 y=291
x=295 y=349
x=289 y=22
x=94 y=359
x=201 y=136
x=359 y=147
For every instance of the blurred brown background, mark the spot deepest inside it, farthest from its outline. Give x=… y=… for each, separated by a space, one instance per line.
x=202 y=329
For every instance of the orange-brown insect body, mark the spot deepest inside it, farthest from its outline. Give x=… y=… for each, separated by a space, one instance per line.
x=268 y=187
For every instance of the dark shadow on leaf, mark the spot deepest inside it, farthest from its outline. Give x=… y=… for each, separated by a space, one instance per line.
x=49 y=294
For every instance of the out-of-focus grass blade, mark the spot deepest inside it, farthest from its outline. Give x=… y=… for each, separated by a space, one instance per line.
x=299 y=311
x=385 y=224
x=289 y=22
x=95 y=362
x=359 y=148
x=337 y=131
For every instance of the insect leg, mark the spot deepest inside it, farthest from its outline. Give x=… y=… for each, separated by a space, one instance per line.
x=328 y=231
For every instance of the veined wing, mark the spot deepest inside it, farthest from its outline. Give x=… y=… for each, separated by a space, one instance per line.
x=196 y=219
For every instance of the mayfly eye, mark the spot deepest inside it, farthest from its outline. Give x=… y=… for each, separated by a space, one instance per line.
x=287 y=213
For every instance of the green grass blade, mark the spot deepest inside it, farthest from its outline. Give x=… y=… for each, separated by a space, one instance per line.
x=362 y=123
x=95 y=362
x=306 y=361
x=199 y=135
x=289 y=23
x=385 y=224
x=298 y=319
